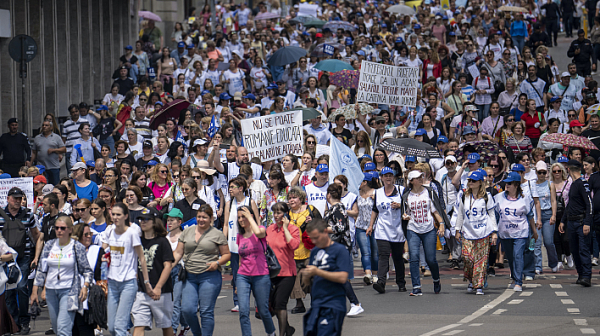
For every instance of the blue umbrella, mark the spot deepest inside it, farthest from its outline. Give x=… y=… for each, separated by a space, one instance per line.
x=333 y=65
x=335 y=25
x=286 y=55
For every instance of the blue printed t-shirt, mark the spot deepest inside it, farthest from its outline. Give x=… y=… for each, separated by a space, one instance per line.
x=325 y=293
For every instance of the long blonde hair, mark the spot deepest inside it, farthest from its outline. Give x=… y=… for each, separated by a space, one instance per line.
x=362 y=135
x=481 y=193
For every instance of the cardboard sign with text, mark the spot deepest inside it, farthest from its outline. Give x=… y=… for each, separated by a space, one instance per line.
x=24 y=183
x=388 y=84
x=273 y=136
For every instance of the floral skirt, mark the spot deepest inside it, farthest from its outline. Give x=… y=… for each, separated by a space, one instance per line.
x=475 y=258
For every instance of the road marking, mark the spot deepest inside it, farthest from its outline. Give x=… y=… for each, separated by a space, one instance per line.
x=499 y=311
x=561 y=294
x=503 y=297
x=442 y=329
x=526 y=293
x=567 y=301
x=580 y=322
x=573 y=310
x=555 y=286
x=531 y=285
x=588 y=331
x=222 y=296
x=475 y=324
x=514 y=302
x=459 y=285
x=453 y=332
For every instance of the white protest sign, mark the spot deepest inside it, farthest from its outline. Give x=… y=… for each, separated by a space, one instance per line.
x=24 y=183
x=322 y=150
x=273 y=136
x=473 y=70
x=388 y=84
x=305 y=9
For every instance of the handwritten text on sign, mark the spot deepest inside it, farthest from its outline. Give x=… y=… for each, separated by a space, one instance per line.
x=388 y=84
x=24 y=183
x=273 y=136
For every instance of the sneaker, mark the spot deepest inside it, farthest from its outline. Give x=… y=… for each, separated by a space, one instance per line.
x=570 y=262
x=375 y=278
x=555 y=269
x=437 y=286
x=427 y=273
x=355 y=310
x=528 y=278
x=470 y=288
x=594 y=261
x=518 y=288
x=97 y=332
x=405 y=255
x=184 y=331
x=511 y=285
x=538 y=272
x=25 y=330
x=235 y=309
x=491 y=271
x=50 y=332
x=44 y=304
x=368 y=279
x=416 y=292
x=454 y=264
x=379 y=287
x=479 y=291
x=594 y=73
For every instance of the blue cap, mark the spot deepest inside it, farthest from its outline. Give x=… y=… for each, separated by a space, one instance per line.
x=41 y=168
x=475 y=176
x=322 y=168
x=102 y=108
x=325 y=30
x=445 y=17
x=482 y=171
x=90 y=163
x=368 y=176
x=442 y=138
x=5 y=176
x=250 y=96
x=468 y=130
x=410 y=158
x=512 y=177
x=457 y=12
x=417 y=26
x=420 y=131
x=151 y=163
x=204 y=92
x=473 y=157
x=562 y=159
x=337 y=19
x=158 y=103
x=499 y=32
x=383 y=25
x=387 y=170
x=378 y=42
x=361 y=53
x=181 y=45
x=518 y=167
x=369 y=166
x=553 y=99
x=452 y=33
x=399 y=40
x=272 y=86
x=366 y=156
x=190 y=46
x=129 y=47
x=225 y=96
x=349 y=41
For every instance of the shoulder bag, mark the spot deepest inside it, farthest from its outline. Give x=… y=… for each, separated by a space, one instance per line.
x=182 y=272
x=272 y=262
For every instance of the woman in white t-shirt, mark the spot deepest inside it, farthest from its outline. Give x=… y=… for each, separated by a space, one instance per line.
x=419 y=210
x=290 y=169
x=62 y=264
x=122 y=241
x=113 y=97
x=234 y=77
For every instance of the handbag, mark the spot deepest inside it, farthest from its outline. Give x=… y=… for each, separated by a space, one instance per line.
x=272 y=262
x=182 y=275
x=12 y=274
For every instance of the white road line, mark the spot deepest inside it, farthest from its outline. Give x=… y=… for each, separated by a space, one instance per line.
x=499 y=311
x=531 y=285
x=475 y=325
x=459 y=285
x=555 y=286
x=222 y=296
x=504 y=296
x=453 y=332
x=526 y=293
x=573 y=310
x=580 y=322
x=561 y=294
x=442 y=329
x=588 y=331
x=514 y=302
x=567 y=301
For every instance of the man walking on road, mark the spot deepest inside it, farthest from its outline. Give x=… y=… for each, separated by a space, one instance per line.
x=581 y=51
x=15 y=149
x=46 y=148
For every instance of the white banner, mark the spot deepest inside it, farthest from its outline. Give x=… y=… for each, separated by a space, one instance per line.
x=388 y=84
x=273 y=136
x=305 y=9
x=24 y=183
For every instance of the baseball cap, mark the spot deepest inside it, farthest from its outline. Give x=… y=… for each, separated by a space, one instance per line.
x=12 y=121
x=442 y=138
x=445 y=17
x=90 y=164
x=512 y=177
x=41 y=168
x=562 y=159
x=40 y=179
x=129 y=47
x=272 y=87
x=322 y=168
x=417 y=26
x=148 y=214
x=410 y=158
x=181 y=45
x=175 y=213
x=366 y=156
x=387 y=170
x=555 y=98
x=414 y=174
x=319 y=35
x=452 y=33
x=47 y=189
x=250 y=96
x=574 y=163
x=565 y=74
x=499 y=32
x=5 y=176
x=199 y=142
x=420 y=131
x=158 y=103
x=468 y=130
x=383 y=25
x=368 y=176
x=378 y=42
x=237 y=96
x=225 y=96
x=541 y=165
x=78 y=165
x=399 y=40
x=575 y=123
x=473 y=157
x=482 y=171
x=102 y=108
x=151 y=163
x=369 y=166
x=361 y=53
x=518 y=167
x=15 y=192
x=191 y=46
x=147 y=144
x=450 y=158
x=476 y=176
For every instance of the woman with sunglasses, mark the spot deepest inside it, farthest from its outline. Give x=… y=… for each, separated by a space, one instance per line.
x=64 y=258
x=62 y=193
x=363 y=145
x=546 y=230
x=84 y=187
x=559 y=189
x=81 y=209
x=160 y=183
x=310 y=144
x=476 y=229
x=133 y=197
x=190 y=202
x=203 y=175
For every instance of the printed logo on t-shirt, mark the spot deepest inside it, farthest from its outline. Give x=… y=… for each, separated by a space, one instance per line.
x=116 y=255
x=150 y=254
x=321 y=260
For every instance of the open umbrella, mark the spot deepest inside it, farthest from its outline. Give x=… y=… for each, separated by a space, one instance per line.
x=315 y=23
x=408 y=146
x=302 y=19
x=335 y=25
x=149 y=16
x=570 y=140
x=485 y=149
x=513 y=9
x=171 y=110
x=349 y=111
x=401 y=9
x=347 y=79
x=266 y=16
x=307 y=113
x=333 y=65
x=286 y=55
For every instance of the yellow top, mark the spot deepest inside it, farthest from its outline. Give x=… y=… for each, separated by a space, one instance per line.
x=298 y=219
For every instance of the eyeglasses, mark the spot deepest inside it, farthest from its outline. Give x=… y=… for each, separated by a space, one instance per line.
x=163 y=171
x=502 y=157
x=196 y=177
x=186 y=127
x=557 y=171
x=511 y=119
x=542 y=172
x=449 y=163
x=380 y=122
x=495 y=166
x=89 y=234
x=310 y=142
x=143 y=99
x=176 y=176
x=60 y=228
x=79 y=209
x=572 y=115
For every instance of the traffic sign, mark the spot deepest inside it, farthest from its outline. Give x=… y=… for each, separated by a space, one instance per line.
x=22 y=48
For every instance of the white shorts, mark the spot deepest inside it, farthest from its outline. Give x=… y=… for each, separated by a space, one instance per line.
x=145 y=309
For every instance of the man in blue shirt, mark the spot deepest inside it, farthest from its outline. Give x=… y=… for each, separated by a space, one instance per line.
x=328 y=267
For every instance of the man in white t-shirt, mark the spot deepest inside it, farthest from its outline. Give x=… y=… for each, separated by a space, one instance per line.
x=316 y=192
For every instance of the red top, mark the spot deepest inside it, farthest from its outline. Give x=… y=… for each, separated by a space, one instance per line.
x=284 y=251
x=530 y=130
x=437 y=70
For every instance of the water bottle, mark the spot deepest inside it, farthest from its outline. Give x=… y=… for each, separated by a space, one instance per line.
x=531 y=244
x=443 y=241
x=103 y=270
x=170 y=206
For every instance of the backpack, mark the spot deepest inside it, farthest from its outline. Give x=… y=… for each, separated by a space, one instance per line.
x=14 y=232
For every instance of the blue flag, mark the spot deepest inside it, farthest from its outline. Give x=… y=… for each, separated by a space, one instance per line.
x=214 y=127
x=343 y=161
x=180 y=138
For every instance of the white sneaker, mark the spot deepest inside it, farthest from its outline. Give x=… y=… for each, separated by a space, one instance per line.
x=355 y=310
x=593 y=73
x=528 y=278
x=375 y=278
x=479 y=291
x=518 y=288
x=511 y=285
x=235 y=309
x=368 y=279
x=98 y=332
x=405 y=255
x=470 y=288
x=594 y=261
x=570 y=262
x=538 y=272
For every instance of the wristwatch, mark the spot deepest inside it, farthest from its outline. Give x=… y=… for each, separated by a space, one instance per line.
x=146 y=282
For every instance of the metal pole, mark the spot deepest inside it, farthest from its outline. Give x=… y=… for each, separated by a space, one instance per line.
x=213 y=16
x=23 y=75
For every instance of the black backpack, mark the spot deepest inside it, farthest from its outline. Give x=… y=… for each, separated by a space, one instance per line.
x=14 y=232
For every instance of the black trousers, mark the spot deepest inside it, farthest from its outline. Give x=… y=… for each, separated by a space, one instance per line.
x=584 y=69
x=580 y=246
x=385 y=248
x=552 y=29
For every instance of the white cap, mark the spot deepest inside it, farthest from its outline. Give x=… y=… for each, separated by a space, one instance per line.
x=199 y=142
x=565 y=74
x=387 y=135
x=47 y=189
x=78 y=165
x=414 y=174
x=541 y=165
x=450 y=158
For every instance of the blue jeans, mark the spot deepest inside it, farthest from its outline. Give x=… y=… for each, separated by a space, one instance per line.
x=53 y=176
x=547 y=233
x=414 y=248
x=201 y=291
x=368 y=250
x=62 y=319
x=17 y=300
x=235 y=265
x=580 y=249
x=513 y=250
x=110 y=142
x=484 y=110
x=261 y=286
x=177 y=290
x=119 y=302
x=519 y=42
